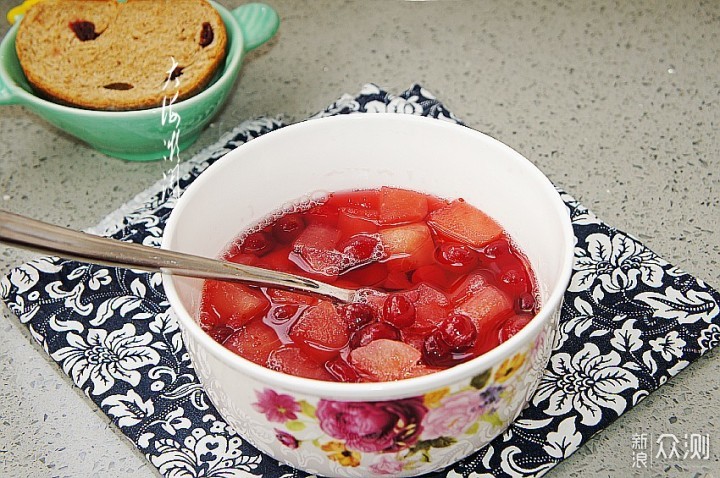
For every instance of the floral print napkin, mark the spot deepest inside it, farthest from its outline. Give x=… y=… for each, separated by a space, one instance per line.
x=630 y=322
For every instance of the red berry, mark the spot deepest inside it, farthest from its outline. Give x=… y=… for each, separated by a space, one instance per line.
x=525 y=303
x=436 y=351
x=288 y=228
x=357 y=315
x=283 y=313
x=512 y=326
x=341 y=370
x=374 y=331
x=457 y=257
x=360 y=247
x=497 y=249
x=398 y=311
x=257 y=243
x=458 y=331
x=514 y=280
x=220 y=333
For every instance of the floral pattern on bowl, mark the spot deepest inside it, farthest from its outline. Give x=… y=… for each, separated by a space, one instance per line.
x=399 y=436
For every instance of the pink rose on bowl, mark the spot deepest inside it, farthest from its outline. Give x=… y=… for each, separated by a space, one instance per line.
x=458 y=412
x=386 y=466
x=373 y=426
x=454 y=415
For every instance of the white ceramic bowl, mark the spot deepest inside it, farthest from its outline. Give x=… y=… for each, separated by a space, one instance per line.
x=401 y=428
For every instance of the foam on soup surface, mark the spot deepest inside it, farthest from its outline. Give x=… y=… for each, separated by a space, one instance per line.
x=448 y=285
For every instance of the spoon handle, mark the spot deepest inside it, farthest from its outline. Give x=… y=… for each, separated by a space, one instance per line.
x=27 y=233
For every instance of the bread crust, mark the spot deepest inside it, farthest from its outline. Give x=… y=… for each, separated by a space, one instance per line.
x=106 y=55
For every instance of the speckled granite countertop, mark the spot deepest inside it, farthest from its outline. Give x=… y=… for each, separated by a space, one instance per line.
x=617 y=102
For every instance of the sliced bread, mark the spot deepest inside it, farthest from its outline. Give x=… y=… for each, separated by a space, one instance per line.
x=107 y=55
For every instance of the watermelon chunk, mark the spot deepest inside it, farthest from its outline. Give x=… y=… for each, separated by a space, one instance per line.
x=431 y=308
x=353 y=221
x=361 y=199
x=320 y=331
x=420 y=370
x=463 y=222
x=293 y=361
x=471 y=284
x=488 y=336
x=317 y=236
x=399 y=206
x=432 y=274
x=316 y=248
x=242 y=258
x=287 y=297
x=235 y=304
x=407 y=247
x=322 y=215
x=368 y=275
x=486 y=304
x=278 y=261
x=382 y=360
x=254 y=341
x=397 y=280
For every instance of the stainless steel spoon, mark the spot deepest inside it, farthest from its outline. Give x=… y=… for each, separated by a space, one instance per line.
x=27 y=233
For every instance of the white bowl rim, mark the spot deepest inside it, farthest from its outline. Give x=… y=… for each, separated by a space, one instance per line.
x=376 y=390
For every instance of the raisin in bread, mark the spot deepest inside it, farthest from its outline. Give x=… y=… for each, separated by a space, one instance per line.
x=106 y=55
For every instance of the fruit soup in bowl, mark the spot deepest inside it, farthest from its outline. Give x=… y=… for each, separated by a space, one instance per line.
x=463 y=251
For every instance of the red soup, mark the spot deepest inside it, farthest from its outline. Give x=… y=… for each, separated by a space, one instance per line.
x=447 y=285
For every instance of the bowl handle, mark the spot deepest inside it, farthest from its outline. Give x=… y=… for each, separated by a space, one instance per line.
x=258 y=23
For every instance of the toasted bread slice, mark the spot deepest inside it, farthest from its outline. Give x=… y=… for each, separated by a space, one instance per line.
x=106 y=55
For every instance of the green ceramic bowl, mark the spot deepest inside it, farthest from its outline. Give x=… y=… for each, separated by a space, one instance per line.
x=141 y=135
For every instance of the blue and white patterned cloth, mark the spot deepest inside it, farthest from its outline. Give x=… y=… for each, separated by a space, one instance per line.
x=630 y=322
